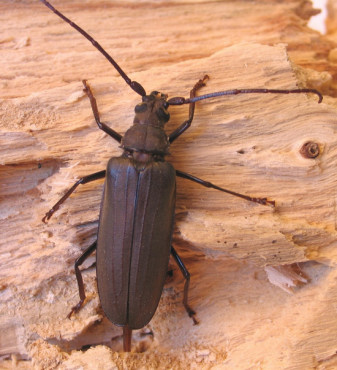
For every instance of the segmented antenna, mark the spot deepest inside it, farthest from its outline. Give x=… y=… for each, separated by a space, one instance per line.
x=136 y=86
x=180 y=100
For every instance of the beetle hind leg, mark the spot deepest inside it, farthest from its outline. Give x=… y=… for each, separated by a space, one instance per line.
x=79 y=278
x=207 y=184
x=191 y=313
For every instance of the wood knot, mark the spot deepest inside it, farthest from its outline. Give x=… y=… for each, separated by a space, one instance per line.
x=310 y=150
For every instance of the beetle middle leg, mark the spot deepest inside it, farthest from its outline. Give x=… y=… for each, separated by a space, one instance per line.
x=82 y=180
x=79 y=278
x=185 y=125
x=186 y=275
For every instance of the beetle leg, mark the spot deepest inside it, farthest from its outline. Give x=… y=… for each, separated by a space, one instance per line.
x=79 y=278
x=185 y=125
x=82 y=180
x=186 y=275
x=207 y=184
x=115 y=135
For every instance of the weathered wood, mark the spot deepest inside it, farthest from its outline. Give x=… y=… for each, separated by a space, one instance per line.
x=251 y=144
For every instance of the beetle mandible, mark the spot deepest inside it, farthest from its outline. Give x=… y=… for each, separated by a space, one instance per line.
x=134 y=239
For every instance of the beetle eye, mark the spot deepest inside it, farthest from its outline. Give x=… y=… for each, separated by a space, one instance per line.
x=155 y=93
x=162 y=115
x=141 y=107
x=166 y=105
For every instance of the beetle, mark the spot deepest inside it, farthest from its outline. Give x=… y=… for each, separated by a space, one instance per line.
x=134 y=239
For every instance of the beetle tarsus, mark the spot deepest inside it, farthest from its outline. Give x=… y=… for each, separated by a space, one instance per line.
x=200 y=84
x=191 y=313
x=48 y=215
x=266 y=202
x=75 y=309
x=263 y=201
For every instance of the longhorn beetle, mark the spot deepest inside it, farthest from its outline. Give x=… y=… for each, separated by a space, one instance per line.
x=137 y=211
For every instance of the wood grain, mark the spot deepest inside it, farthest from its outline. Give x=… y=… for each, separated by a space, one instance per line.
x=249 y=143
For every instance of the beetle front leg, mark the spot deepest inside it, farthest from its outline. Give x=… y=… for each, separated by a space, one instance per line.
x=185 y=125
x=115 y=135
x=82 y=180
x=191 y=313
x=79 y=278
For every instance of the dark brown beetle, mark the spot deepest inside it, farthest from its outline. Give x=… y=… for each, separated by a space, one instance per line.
x=134 y=239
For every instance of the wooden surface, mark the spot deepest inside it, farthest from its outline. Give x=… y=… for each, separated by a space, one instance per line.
x=250 y=144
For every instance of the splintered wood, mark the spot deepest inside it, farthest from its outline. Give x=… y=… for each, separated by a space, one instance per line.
x=252 y=144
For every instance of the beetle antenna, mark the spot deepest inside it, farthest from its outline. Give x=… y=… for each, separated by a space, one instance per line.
x=136 y=86
x=181 y=100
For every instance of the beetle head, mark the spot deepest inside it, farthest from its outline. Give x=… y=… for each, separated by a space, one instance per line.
x=152 y=110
